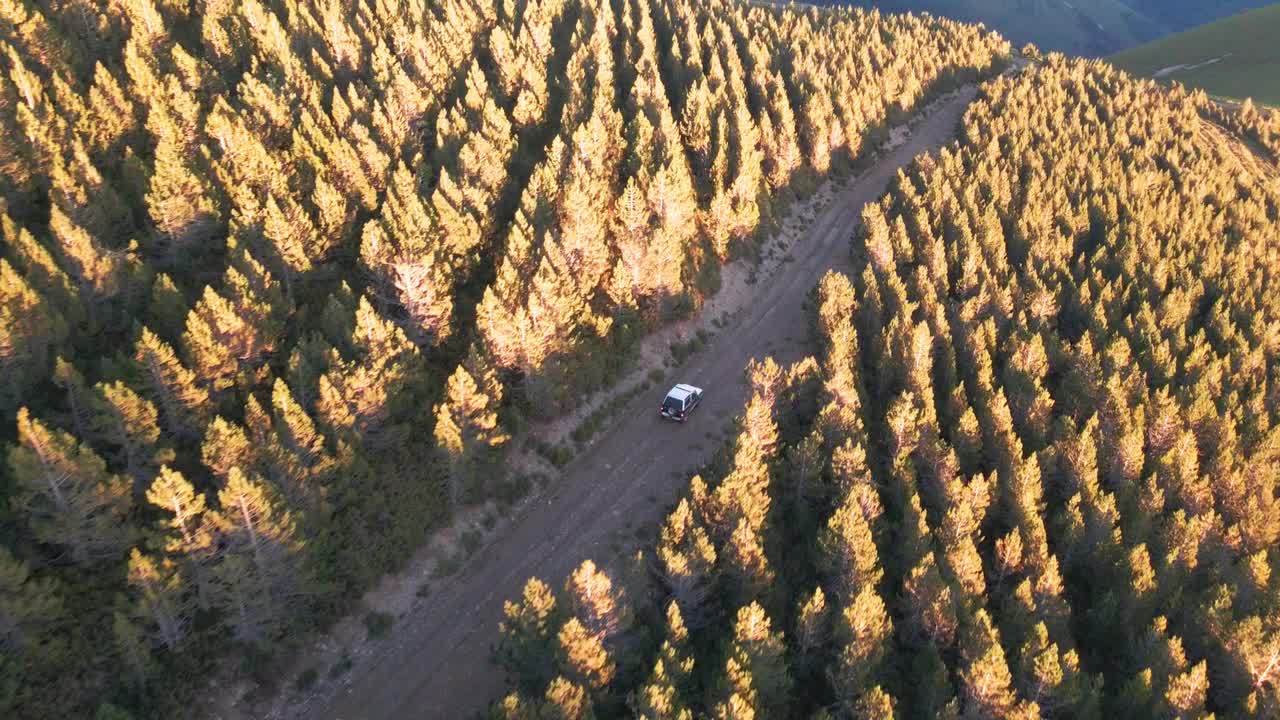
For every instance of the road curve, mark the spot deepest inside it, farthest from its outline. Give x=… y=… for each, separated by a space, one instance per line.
x=437 y=663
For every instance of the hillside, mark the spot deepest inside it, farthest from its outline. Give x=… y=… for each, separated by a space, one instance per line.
x=282 y=281
x=1031 y=472
x=1088 y=28
x=1179 y=15
x=1083 y=27
x=1237 y=57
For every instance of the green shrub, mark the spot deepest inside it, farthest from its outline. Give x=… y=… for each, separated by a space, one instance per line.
x=340 y=668
x=306 y=679
x=447 y=566
x=378 y=624
x=471 y=541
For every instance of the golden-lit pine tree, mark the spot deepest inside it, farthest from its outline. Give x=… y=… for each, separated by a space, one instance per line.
x=188 y=532
x=183 y=404
x=467 y=425
x=162 y=602
x=66 y=496
x=130 y=424
x=259 y=579
x=30 y=332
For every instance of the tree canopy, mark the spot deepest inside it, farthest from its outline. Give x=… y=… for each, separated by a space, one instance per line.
x=1040 y=479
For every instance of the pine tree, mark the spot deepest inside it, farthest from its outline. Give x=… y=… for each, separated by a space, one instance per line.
x=132 y=649
x=79 y=398
x=30 y=331
x=583 y=656
x=183 y=405
x=167 y=308
x=32 y=608
x=259 y=580
x=985 y=677
x=189 y=532
x=130 y=423
x=687 y=560
x=566 y=700
x=180 y=200
x=363 y=394
x=850 y=557
x=227 y=446
x=862 y=639
x=527 y=648
x=761 y=654
x=229 y=334
x=467 y=426
x=406 y=252
x=932 y=609
x=593 y=598
x=290 y=449
x=813 y=623
x=162 y=602
x=66 y=495
x=661 y=697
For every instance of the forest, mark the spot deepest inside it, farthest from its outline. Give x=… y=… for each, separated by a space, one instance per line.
x=282 y=281
x=1030 y=472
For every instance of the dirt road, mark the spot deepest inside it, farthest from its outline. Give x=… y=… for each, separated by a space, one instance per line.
x=437 y=663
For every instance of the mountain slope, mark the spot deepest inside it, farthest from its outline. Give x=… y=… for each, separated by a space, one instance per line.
x=1179 y=15
x=1235 y=57
x=1080 y=27
x=1075 y=27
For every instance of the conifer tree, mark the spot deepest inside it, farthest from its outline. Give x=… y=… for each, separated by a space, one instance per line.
x=593 y=598
x=180 y=199
x=849 y=551
x=183 y=405
x=362 y=394
x=133 y=649
x=863 y=636
x=66 y=495
x=566 y=700
x=687 y=559
x=467 y=425
x=760 y=653
x=30 y=331
x=32 y=608
x=291 y=450
x=583 y=656
x=661 y=696
x=189 y=531
x=260 y=579
x=986 y=681
x=229 y=334
x=527 y=649
x=162 y=602
x=130 y=423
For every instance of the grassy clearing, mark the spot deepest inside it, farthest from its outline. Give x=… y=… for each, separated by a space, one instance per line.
x=1236 y=57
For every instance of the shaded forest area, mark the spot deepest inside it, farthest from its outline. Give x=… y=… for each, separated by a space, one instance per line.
x=281 y=279
x=1032 y=472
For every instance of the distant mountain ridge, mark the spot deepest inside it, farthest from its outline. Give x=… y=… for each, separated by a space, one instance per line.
x=1090 y=28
